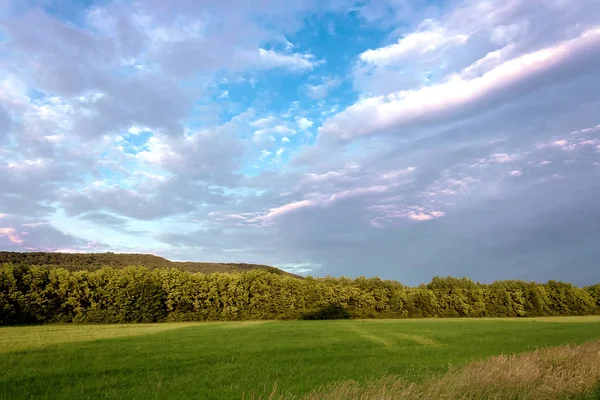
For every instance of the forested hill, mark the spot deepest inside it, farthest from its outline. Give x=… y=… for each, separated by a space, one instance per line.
x=94 y=261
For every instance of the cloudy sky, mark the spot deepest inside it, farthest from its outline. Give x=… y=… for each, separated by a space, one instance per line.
x=398 y=138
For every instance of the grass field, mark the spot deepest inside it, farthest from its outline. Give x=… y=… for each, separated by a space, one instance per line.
x=237 y=359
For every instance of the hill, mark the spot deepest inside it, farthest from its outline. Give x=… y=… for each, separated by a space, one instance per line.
x=93 y=261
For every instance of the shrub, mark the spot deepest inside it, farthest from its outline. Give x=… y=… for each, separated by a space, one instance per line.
x=332 y=311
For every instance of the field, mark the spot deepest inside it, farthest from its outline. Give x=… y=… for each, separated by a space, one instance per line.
x=235 y=360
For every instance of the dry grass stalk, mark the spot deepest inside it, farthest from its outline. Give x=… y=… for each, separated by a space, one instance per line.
x=546 y=374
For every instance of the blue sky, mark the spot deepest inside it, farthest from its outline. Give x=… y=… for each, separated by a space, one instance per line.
x=404 y=139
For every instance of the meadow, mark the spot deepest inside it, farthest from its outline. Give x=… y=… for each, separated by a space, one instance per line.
x=235 y=360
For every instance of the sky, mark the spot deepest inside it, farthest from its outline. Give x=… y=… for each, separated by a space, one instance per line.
x=404 y=139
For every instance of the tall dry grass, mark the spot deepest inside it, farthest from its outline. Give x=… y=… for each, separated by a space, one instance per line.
x=546 y=374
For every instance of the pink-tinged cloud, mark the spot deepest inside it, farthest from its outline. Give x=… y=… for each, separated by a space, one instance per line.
x=315 y=179
x=587 y=130
x=226 y=216
x=496 y=158
x=12 y=235
x=396 y=174
x=570 y=145
x=35 y=224
x=347 y=174
x=451 y=186
x=318 y=200
x=388 y=213
x=312 y=179
x=563 y=145
x=287 y=208
x=65 y=250
x=516 y=172
x=380 y=113
x=419 y=216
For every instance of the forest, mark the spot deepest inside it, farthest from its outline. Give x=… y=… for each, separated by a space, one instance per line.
x=31 y=294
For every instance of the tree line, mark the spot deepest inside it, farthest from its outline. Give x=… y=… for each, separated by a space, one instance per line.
x=35 y=294
x=94 y=261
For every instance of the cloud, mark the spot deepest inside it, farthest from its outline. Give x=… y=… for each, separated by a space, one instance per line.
x=211 y=155
x=272 y=126
x=275 y=130
x=11 y=234
x=468 y=36
x=5 y=122
x=466 y=144
x=172 y=197
x=388 y=214
x=153 y=101
x=272 y=59
x=19 y=233
x=317 y=201
x=105 y=219
x=304 y=123
x=429 y=38
x=321 y=90
x=449 y=98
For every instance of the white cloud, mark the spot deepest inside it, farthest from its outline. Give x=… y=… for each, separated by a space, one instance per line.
x=13 y=91
x=264 y=154
x=313 y=178
x=431 y=37
x=136 y=130
x=35 y=224
x=263 y=123
x=304 y=123
x=321 y=90
x=158 y=151
x=299 y=268
x=275 y=130
x=271 y=126
x=271 y=59
x=380 y=113
x=504 y=34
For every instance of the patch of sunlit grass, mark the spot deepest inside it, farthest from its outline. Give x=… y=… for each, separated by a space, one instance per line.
x=552 y=373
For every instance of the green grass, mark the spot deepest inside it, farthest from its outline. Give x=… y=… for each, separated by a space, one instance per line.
x=228 y=360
